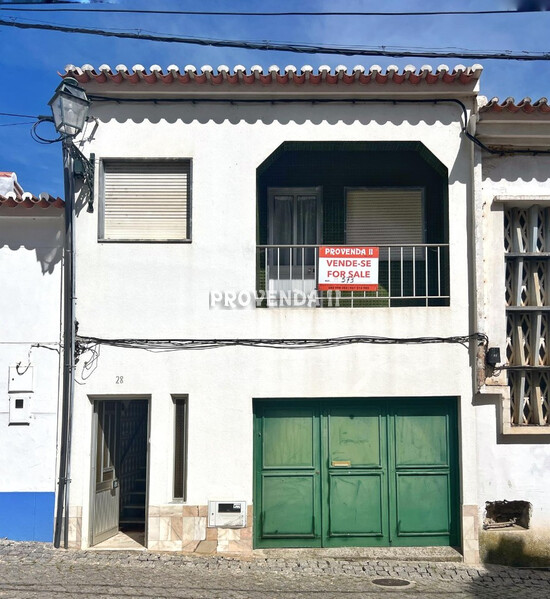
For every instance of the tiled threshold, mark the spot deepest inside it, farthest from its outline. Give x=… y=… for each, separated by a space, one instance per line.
x=122 y=541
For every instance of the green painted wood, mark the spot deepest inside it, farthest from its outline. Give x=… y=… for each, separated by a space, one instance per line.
x=356 y=505
x=362 y=472
x=288 y=496
x=423 y=485
x=355 y=474
x=288 y=438
x=288 y=506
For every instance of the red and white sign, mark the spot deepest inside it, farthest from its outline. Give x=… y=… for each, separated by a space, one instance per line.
x=348 y=268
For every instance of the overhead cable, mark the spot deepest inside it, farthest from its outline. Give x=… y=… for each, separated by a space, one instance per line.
x=84 y=343
x=299 y=48
x=296 y=13
x=22 y=116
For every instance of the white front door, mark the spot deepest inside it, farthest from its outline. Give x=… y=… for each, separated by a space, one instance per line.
x=106 y=500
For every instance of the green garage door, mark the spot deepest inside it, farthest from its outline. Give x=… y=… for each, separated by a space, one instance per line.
x=332 y=473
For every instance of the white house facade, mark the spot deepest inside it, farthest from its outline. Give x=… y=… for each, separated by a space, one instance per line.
x=250 y=378
x=31 y=242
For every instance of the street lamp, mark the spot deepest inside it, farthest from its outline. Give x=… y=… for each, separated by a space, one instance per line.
x=69 y=107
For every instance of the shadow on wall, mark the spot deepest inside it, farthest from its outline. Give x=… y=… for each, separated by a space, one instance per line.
x=379 y=111
x=83 y=199
x=506 y=169
x=44 y=236
x=48 y=258
x=515 y=548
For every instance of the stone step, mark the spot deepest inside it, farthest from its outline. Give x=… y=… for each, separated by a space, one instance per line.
x=402 y=554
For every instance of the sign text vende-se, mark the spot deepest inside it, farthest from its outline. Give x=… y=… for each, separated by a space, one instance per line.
x=348 y=268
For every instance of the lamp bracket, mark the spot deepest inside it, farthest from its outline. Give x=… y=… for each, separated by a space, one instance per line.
x=84 y=169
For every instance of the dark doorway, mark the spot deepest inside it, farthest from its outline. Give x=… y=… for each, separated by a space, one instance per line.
x=120 y=468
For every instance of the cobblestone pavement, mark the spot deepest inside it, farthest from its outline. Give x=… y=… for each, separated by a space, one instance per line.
x=37 y=571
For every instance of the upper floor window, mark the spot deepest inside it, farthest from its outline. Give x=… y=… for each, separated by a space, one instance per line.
x=145 y=200
x=392 y=195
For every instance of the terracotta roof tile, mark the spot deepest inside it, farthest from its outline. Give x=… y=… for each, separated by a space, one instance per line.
x=27 y=200
x=274 y=75
x=509 y=105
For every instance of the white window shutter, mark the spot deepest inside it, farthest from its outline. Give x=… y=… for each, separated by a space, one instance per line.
x=384 y=216
x=146 y=200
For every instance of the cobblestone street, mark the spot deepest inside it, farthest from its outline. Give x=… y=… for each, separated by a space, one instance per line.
x=37 y=571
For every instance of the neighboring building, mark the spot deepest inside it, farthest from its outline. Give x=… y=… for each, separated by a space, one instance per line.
x=31 y=241
x=512 y=246
x=213 y=186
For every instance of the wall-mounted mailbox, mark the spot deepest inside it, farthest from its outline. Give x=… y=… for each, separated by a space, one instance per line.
x=20 y=408
x=20 y=379
x=227 y=514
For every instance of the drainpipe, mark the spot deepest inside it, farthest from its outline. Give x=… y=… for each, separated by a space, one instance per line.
x=62 y=514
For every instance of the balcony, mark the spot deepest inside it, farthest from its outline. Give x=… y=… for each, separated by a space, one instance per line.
x=408 y=275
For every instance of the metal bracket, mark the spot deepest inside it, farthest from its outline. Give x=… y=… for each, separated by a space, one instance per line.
x=84 y=169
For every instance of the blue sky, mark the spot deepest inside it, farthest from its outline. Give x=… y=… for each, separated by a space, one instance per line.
x=30 y=59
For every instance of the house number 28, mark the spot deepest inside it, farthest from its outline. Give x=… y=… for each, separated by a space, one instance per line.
x=119 y=380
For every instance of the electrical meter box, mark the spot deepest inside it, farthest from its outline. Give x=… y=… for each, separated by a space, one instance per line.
x=20 y=408
x=20 y=379
x=227 y=514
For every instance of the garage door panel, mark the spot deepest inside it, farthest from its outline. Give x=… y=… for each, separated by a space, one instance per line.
x=423 y=503
x=356 y=472
x=356 y=505
x=288 y=506
x=355 y=436
x=421 y=440
x=288 y=438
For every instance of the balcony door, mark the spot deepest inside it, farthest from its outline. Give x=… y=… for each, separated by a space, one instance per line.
x=295 y=220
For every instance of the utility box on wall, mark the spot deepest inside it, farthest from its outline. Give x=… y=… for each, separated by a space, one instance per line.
x=20 y=389
x=20 y=408
x=20 y=380
x=227 y=514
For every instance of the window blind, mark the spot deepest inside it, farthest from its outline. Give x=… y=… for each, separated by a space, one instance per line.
x=146 y=200
x=384 y=216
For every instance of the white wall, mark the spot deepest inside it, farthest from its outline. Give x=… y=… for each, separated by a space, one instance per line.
x=30 y=275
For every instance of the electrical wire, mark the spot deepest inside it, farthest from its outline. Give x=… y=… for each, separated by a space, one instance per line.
x=22 y=116
x=44 y=140
x=286 y=47
x=223 y=13
x=16 y=124
x=84 y=343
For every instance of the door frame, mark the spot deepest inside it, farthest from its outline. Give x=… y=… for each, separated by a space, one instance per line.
x=92 y=489
x=455 y=501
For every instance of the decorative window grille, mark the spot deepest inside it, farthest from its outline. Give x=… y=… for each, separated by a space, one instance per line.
x=527 y=255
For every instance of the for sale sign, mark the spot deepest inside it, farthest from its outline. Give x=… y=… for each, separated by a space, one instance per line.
x=348 y=268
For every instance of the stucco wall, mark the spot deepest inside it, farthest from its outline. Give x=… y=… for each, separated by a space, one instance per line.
x=30 y=271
